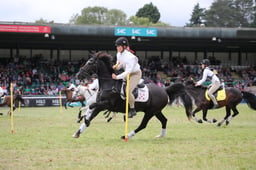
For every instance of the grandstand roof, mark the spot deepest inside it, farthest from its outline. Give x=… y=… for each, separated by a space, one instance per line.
x=91 y=37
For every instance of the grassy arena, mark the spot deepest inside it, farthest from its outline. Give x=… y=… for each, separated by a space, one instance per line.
x=42 y=140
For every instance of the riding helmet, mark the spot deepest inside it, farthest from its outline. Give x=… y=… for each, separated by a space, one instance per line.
x=205 y=62
x=122 y=41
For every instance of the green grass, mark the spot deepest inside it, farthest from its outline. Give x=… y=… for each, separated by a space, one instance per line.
x=42 y=140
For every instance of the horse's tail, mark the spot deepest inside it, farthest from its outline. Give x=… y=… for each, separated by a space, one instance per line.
x=250 y=99
x=178 y=90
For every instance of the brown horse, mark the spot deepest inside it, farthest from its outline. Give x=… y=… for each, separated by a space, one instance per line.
x=234 y=96
x=7 y=102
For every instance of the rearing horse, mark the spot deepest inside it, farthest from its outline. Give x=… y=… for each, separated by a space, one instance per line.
x=233 y=97
x=109 y=99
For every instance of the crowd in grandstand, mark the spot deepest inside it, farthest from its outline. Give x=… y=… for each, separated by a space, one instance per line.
x=48 y=78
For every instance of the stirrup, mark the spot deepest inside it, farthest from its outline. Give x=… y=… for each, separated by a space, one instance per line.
x=132 y=112
x=215 y=106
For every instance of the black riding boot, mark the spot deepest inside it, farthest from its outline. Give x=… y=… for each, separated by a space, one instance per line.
x=132 y=112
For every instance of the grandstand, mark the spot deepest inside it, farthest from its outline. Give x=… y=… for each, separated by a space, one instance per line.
x=48 y=56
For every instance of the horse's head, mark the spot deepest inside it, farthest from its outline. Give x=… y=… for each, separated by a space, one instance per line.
x=88 y=69
x=100 y=63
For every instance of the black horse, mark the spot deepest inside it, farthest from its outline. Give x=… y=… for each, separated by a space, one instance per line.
x=109 y=95
x=233 y=97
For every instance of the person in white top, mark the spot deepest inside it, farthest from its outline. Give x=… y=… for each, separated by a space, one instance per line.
x=1 y=91
x=92 y=88
x=129 y=62
x=208 y=73
x=73 y=88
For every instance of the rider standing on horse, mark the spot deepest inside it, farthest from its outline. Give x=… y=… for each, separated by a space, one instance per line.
x=129 y=62
x=208 y=73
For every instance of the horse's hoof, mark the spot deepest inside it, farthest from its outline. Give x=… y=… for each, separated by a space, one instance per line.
x=75 y=135
x=219 y=124
x=159 y=136
x=227 y=122
x=123 y=137
x=200 y=121
x=1 y=114
x=78 y=121
x=214 y=120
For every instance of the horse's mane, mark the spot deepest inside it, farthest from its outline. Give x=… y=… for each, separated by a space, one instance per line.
x=105 y=57
x=191 y=85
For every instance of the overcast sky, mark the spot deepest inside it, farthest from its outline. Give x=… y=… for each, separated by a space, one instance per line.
x=173 y=12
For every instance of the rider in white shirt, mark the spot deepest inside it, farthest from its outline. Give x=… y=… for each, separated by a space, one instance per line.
x=73 y=88
x=93 y=88
x=207 y=72
x=94 y=85
x=129 y=62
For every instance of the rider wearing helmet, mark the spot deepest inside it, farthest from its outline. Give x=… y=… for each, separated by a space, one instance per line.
x=208 y=73
x=129 y=62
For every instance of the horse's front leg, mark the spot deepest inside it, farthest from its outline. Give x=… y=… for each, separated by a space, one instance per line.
x=205 y=117
x=79 y=116
x=198 y=120
x=95 y=108
x=65 y=104
x=227 y=118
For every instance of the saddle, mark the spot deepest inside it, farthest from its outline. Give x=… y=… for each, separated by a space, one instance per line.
x=219 y=94
x=140 y=93
x=135 y=92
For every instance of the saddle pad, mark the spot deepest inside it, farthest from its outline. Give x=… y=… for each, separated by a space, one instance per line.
x=221 y=95
x=143 y=95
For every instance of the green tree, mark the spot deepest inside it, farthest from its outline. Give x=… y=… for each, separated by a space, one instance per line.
x=139 y=21
x=197 y=16
x=43 y=21
x=99 y=15
x=246 y=12
x=230 y=13
x=116 y=17
x=149 y=11
x=142 y=21
x=92 y=15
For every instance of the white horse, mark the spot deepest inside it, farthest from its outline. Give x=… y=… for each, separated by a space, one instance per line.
x=90 y=97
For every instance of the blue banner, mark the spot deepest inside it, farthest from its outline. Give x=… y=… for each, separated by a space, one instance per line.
x=132 y=31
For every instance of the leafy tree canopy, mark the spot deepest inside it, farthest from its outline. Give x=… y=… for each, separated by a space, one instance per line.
x=149 y=11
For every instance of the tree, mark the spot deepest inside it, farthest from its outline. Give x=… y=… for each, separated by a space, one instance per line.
x=139 y=21
x=116 y=17
x=92 y=15
x=43 y=21
x=246 y=12
x=99 y=15
x=149 y=11
x=142 y=21
x=197 y=16
x=230 y=13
